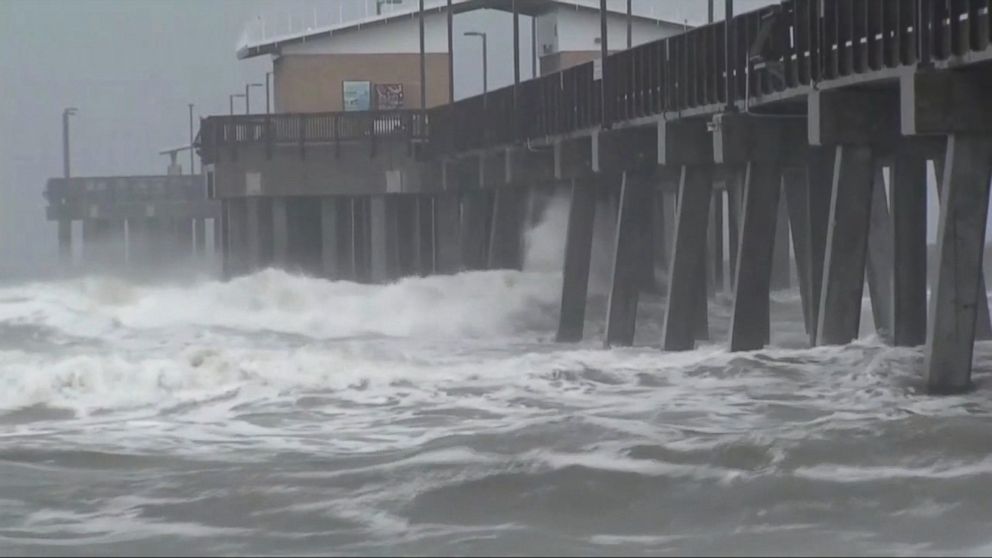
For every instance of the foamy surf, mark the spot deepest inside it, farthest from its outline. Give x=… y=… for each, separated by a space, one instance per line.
x=282 y=414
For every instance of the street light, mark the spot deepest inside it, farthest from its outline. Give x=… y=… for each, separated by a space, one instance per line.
x=247 y=98
x=231 y=98
x=485 y=60
x=65 y=139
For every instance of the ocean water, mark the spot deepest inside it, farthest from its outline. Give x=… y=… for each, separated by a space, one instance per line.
x=280 y=414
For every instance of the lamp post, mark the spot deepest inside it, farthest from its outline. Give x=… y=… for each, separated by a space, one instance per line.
x=65 y=139
x=230 y=99
x=485 y=60
x=248 y=87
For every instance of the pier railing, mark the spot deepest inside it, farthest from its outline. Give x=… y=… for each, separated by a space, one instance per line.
x=788 y=46
x=306 y=129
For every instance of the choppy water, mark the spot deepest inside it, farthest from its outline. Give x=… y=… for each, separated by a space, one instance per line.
x=277 y=414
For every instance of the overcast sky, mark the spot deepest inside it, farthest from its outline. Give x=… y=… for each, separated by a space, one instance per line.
x=131 y=67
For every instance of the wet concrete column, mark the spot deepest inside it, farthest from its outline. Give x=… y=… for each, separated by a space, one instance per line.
x=361 y=239
x=960 y=249
x=253 y=235
x=381 y=241
x=424 y=241
x=795 y=187
x=659 y=230
x=447 y=232
x=405 y=234
x=236 y=246
x=476 y=215
x=781 y=264
x=183 y=228
x=983 y=323
x=280 y=232
x=908 y=194
x=505 y=233
x=847 y=245
x=716 y=242
x=879 y=262
x=578 y=253
x=734 y=187
x=819 y=178
x=330 y=249
x=750 y=322
x=631 y=255
x=685 y=284
x=200 y=237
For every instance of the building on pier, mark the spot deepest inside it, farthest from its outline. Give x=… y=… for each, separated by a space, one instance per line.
x=350 y=121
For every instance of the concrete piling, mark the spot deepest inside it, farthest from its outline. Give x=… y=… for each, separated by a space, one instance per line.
x=908 y=196
x=631 y=256
x=505 y=240
x=685 y=284
x=960 y=246
x=879 y=264
x=578 y=252
x=847 y=245
x=795 y=187
x=750 y=323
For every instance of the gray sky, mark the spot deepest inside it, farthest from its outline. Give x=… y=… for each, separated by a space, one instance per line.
x=131 y=66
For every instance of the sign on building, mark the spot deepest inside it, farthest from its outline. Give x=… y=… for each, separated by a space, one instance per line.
x=356 y=95
x=389 y=96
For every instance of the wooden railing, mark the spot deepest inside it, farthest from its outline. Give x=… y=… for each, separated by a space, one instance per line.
x=306 y=129
x=790 y=45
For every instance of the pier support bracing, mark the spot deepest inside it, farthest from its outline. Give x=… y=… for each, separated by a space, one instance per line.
x=879 y=263
x=632 y=255
x=505 y=238
x=847 y=245
x=684 y=283
x=955 y=301
x=750 y=323
x=908 y=194
x=578 y=252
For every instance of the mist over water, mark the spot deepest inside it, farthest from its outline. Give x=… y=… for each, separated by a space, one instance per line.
x=277 y=414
